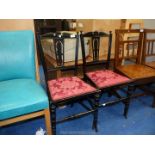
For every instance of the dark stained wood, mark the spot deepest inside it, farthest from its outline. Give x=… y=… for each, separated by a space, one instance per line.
x=59 y=65
x=52 y=63
x=111 y=90
x=98 y=55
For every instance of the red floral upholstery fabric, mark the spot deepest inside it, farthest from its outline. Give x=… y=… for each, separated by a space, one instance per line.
x=66 y=87
x=106 y=78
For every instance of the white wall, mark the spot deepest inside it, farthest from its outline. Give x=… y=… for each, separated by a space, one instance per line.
x=149 y=23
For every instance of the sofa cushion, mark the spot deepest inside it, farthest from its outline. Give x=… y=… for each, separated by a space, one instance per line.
x=21 y=96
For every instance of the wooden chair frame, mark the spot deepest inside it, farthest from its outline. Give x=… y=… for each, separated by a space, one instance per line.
x=92 y=97
x=148 y=47
x=141 y=82
x=44 y=113
x=120 y=42
x=112 y=90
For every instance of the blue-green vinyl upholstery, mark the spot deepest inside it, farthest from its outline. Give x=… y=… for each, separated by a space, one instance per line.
x=17 y=55
x=20 y=93
x=21 y=96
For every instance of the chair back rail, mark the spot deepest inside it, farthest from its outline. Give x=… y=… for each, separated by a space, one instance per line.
x=95 y=39
x=59 y=49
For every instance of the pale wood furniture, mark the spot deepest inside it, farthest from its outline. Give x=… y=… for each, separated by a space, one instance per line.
x=44 y=113
x=130 y=63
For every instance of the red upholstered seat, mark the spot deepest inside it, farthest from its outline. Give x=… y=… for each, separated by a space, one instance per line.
x=106 y=78
x=67 y=87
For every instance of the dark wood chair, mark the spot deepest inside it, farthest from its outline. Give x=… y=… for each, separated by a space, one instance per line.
x=66 y=90
x=128 y=59
x=104 y=78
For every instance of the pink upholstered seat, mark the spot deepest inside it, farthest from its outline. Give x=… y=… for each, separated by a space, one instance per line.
x=106 y=78
x=67 y=87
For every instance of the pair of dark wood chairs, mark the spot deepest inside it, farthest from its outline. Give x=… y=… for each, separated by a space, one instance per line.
x=132 y=47
x=67 y=90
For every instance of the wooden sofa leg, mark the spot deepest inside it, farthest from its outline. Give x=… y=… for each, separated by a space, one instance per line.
x=48 y=122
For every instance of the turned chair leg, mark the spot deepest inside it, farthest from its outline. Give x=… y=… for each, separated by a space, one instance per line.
x=48 y=121
x=153 y=104
x=53 y=120
x=95 y=120
x=131 y=89
x=126 y=109
x=110 y=93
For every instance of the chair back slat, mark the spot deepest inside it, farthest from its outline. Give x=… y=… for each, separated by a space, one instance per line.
x=148 y=45
x=59 y=50
x=95 y=47
x=150 y=48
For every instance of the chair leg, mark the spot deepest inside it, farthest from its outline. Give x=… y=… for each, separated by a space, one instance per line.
x=72 y=104
x=126 y=109
x=95 y=106
x=53 y=114
x=127 y=102
x=110 y=93
x=153 y=104
x=48 y=121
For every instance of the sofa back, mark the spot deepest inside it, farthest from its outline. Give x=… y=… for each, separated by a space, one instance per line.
x=17 y=55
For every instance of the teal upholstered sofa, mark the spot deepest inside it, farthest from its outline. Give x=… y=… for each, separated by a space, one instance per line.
x=21 y=96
